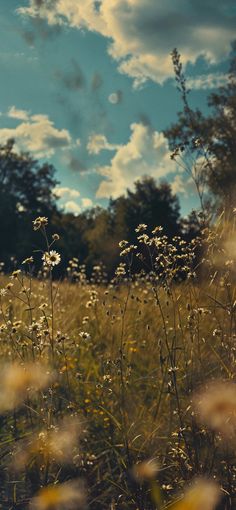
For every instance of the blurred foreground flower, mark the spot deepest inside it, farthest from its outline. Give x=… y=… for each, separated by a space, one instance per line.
x=18 y=380
x=203 y=495
x=145 y=471
x=215 y=406
x=57 y=444
x=66 y=496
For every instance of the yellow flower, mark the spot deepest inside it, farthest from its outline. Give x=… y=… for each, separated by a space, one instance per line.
x=203 y=495
x=66 y=496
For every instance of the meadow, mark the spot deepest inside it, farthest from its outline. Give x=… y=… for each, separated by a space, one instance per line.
x=121 y=394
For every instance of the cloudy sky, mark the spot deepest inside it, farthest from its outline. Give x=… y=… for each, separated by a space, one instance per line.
x=88 y=85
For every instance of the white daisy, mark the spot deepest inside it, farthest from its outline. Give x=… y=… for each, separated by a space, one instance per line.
x=51 y=258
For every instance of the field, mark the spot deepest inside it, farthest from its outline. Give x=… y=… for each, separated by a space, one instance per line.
x=120 y=393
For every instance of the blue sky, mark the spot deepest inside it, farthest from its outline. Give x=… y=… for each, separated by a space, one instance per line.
x=88 y=86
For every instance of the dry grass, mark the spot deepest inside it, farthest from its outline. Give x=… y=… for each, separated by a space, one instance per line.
x=124 y=362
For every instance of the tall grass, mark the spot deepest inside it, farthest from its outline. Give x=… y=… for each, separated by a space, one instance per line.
x=106 y=391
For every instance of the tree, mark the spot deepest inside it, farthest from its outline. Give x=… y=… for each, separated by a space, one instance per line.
x=26 y=191
x=94 y=235
x=102 y=240
x=209 y=138
x=150 y=204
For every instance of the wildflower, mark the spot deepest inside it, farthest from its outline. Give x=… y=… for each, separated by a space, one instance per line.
x=97 y=268
x=29 y=260
x=216 y=407
x=18 y=380
x=146 y=470
x=3 y=292
x=42 y=306
x=143 y=238
x=34 y=327
x=141 y=227
x=66 y=496
x=51 y=258
x=40 y=222
x=107 y=378
x=173 y=369
x=15 y=326
x=15 y=273
x=84 y=335
x=203 y=495
x=123 y=244
x=157 y=230
x=55 y=237
x=128 y=250
x=121 y=270
x=217 y=332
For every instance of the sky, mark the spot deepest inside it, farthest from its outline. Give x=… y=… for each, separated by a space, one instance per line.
x=88 y=86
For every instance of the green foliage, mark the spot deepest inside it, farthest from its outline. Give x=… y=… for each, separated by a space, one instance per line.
x=209 y=136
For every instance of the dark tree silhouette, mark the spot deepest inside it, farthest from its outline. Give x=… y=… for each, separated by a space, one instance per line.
x=149 y=203
x=26 y=191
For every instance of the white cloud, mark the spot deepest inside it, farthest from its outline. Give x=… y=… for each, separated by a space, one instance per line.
x=14 y=113
x=72 y=207
x=142 y=33
x=87 y=202
x=61 y=192
x=146 y=153
x=182 y=184
x=207 y=81
x=36 y=134
x=67 y=195
x=97 y=143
